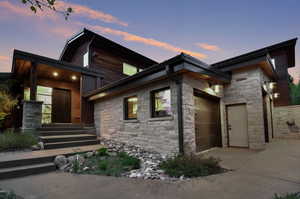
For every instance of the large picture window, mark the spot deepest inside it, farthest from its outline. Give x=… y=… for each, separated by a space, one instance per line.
x=161 y=102
x=131 y=107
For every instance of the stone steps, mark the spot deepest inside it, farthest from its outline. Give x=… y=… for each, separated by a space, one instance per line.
x=67 y=138
x=21 y=171
x=57 y=145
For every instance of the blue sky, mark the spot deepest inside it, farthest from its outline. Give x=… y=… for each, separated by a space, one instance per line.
x=209 y=30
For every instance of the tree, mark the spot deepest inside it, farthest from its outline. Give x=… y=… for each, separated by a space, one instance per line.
x=294 y=91
x=40 y=5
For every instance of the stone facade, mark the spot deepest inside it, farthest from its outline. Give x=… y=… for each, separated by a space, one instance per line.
x=161 y=134
x=246 y=88
x=32 y=115
x=286 y=120
x=157 y=134
x=188 y=85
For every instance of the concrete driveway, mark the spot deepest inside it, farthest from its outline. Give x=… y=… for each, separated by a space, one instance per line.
x=255 y=175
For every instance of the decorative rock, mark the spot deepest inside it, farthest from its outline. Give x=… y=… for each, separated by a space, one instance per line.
x=35 y=147
x=89 y=154
x=76 y=157
x=60 y=161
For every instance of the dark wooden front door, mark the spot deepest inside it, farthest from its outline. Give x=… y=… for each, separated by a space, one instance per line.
x=61 y=106
x=207 y=122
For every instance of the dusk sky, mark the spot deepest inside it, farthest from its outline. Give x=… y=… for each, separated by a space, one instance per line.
x=209 y=30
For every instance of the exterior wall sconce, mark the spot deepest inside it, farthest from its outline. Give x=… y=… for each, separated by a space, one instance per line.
x=73 y=77
x=272 y=85
x=276 y=95
x=217 y=88
x=55 y=74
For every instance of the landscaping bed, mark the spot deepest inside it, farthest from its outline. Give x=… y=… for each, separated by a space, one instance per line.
x=14 y=141
x=120 y=159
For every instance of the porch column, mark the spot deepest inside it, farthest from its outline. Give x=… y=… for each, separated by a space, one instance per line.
x=33 y=81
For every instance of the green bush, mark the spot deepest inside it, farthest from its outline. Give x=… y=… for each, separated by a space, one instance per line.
x=191 y=166
x=288 y=196
x=7 y=194
x=10 y=141
x=111 y=165
x=102 y=152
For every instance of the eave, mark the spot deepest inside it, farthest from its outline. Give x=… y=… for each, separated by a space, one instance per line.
x=179 y=64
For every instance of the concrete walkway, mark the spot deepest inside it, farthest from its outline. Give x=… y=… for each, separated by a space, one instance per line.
x=255 y=175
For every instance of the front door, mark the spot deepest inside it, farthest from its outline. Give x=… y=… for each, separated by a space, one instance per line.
x=237 y=125
x=61 y=106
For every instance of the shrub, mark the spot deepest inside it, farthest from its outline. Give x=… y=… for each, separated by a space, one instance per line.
x=288 y=196
x=4 y=194
x=112 y=165
x=102 y=152
x=191 y=166
x=16 y=141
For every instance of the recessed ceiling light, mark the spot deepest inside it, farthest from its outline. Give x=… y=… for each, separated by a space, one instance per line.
x=74 y=77
x=55 y=74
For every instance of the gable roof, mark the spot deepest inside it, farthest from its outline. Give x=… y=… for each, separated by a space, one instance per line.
x=288 y=45
x=89 y=36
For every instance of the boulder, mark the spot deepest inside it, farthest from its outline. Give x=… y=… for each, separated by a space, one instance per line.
x=60 y=161
x=76 y=157
x=41 y=145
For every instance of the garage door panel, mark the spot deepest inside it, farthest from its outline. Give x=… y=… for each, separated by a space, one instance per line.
x=207 y=123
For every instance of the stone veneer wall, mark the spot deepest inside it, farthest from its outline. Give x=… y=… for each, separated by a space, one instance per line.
x=188 y=85
x=32 y=115
x=158 y=134
x=283 y=115
x=246 y=87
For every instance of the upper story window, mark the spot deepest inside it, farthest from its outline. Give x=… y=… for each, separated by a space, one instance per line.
x=273 y=62
x=130 y=108
x=86 y=59
x=161 y=102
x=129 y=69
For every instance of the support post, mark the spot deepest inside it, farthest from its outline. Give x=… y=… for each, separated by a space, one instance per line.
x=33 y=81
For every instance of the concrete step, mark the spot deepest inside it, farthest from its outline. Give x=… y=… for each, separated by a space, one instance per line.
x=67 y=132
x=25 y=161
x=22 y=171
x=64 y=128
x=77 y=125
x=57 y=145
x=67 y=138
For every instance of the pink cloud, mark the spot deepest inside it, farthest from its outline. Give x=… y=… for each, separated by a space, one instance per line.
x=148 y=41
x=4 y=58
x=90 y=13
x=209 y=47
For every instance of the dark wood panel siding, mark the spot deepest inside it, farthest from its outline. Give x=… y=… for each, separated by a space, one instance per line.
x=89 y=83
x=281 y=62
x=77 y=57
x=111 y=64
x=87 y=111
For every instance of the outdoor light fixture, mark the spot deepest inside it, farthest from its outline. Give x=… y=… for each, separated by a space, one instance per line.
x=55 y=74
x=276 y=95
x=73 y=77
x=272 y=85
x=217 y=88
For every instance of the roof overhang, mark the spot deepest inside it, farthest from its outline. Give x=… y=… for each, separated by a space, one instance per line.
x=287 y=47
x=264 y=62
x=179 y=64
x=33 y=58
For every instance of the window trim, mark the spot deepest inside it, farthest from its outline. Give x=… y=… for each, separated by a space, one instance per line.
x=152 y=102
x=125 y=107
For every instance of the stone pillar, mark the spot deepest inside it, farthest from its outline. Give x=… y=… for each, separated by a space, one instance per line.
x=32 y=115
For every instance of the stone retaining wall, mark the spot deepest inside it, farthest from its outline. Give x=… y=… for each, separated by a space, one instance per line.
x=32 y=115
x=286 y=120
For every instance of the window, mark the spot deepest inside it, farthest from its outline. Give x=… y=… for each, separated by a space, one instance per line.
x=273 y=62
x=161 y=102
x=129 y=69
x=26 y=93
x=44 y=94
x=131 y=106
x=86 y=59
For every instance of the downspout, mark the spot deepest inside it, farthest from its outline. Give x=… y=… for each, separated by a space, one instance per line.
x=178 y=82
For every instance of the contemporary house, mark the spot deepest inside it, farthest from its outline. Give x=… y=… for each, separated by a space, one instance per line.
x=179 y=105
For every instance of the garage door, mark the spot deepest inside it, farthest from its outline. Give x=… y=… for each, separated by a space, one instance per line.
x=237 y=125
x=207 y=122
